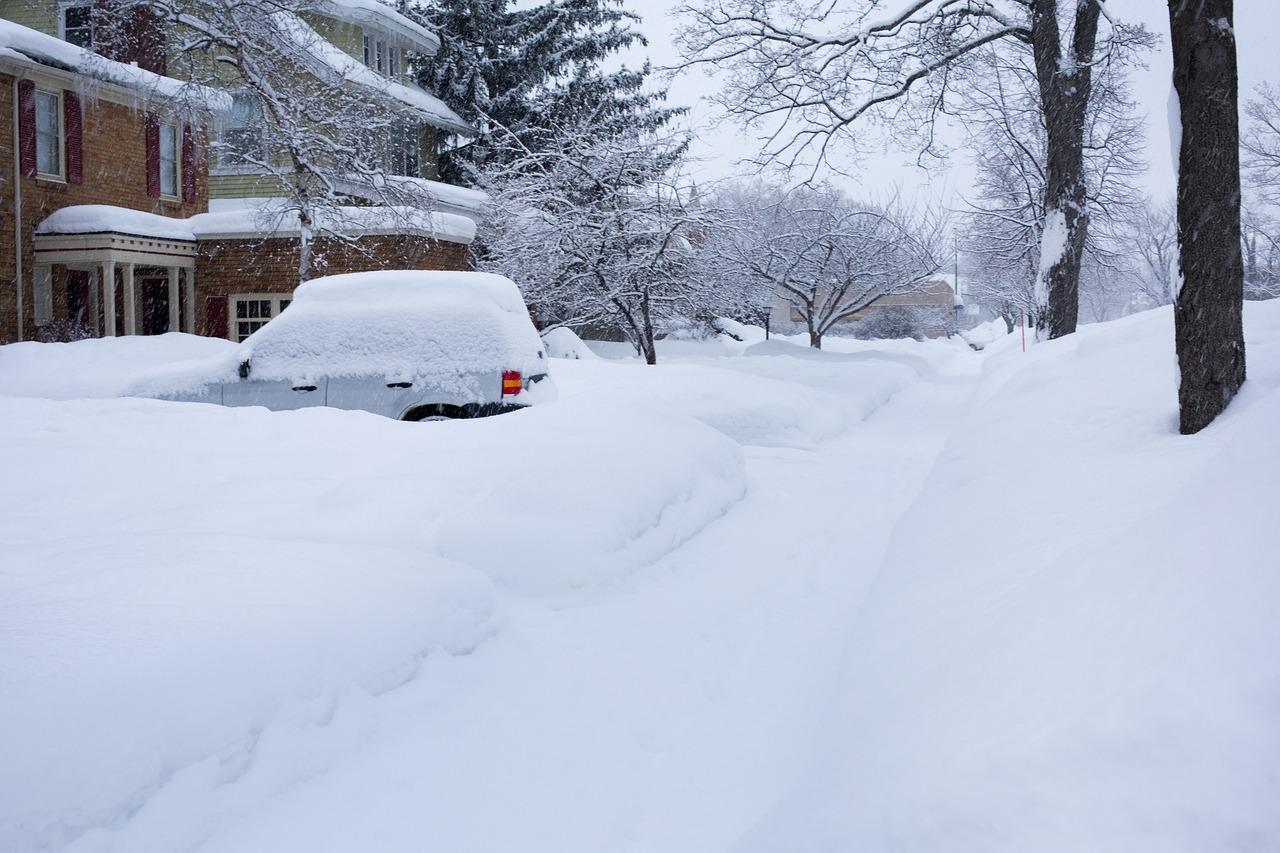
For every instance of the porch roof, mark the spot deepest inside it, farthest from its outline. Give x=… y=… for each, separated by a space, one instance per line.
x=103 y=233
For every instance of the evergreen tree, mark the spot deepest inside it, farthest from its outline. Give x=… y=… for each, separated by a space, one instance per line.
x=533 y=70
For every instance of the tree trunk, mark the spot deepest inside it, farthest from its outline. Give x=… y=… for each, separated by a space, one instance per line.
x=1209 y=330
x=815 y=339
x=646 y=329
x=1066 y=85
x=304 y=245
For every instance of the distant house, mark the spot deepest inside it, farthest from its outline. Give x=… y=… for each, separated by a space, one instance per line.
x=124 y=222
x=929 y=309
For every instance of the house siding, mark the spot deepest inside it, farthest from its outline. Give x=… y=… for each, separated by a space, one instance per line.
x=42 y=16
x=227 y=267
x=114 y=172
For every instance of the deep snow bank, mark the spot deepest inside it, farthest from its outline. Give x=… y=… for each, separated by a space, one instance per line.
x=782 y=396
x=186 y=584
x=97 y=367
x=1071 y=644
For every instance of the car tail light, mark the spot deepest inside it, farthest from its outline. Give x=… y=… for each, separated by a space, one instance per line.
x=511 y=383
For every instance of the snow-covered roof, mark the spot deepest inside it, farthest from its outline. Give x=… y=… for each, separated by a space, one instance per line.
x=447 y=198
x=372 y=13
x=270 y=218
x=24 y=43
x=329 y=56
x=398 y=323
x=255 y=219
x=106 y=218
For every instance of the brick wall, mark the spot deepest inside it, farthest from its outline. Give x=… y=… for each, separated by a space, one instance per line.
x=114 y=163
x=226 y=267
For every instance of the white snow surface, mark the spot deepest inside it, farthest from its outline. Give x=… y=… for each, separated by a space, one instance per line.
x=890 y=596
x=257 y=218
x=98 y=367
x=102 y=218
x=352 y=70
x=562 y=342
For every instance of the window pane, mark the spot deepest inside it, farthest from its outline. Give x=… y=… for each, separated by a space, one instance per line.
x=48 y=125
x=46 y=112
x=284 y=303
x=168 y=159
x=77 y=27
x=168 y=141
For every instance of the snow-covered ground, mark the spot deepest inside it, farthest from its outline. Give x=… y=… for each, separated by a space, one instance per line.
x=891 y=596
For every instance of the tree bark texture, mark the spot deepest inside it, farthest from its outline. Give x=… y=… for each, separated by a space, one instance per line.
x=1209 y=330
x=1066 y=84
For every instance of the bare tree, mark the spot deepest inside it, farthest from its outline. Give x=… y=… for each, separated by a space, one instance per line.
x=1260 y=147
x=1208 y=311
x=1261 y=142
x=1006 y=218
x=826 y=257
x=1261 y=243
x=808 y=73
x=312 y=120
x=597 y=228
x=1149 y=238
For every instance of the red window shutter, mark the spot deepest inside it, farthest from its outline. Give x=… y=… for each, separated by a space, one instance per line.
x=188 y=164
x=27 y=127
x=71 y=124
x=215 y=317
x=153 y=156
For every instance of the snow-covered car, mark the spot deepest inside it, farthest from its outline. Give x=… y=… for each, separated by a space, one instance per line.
x=407 y=344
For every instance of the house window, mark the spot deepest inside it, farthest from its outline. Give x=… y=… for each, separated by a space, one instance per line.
x=368 y=51
x=393 y=63
x=75 y=20
x=169 y=160
x=402 y=150
x=242 y=141
x=49 y=134
x=251 y=311
x=380 y=58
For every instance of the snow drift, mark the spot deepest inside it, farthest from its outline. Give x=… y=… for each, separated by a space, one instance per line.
x=1071 y=642
x=178 y=578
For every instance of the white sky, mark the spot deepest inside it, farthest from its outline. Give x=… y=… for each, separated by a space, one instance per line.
x=719 y=149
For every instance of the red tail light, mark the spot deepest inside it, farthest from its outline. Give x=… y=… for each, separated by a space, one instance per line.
x=511 y=383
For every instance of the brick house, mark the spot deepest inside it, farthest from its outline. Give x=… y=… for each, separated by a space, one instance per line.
x=117 y=221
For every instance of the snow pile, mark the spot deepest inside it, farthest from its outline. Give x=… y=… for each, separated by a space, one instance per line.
x=740 y=332
x=103 y=218
x=97 y=367
x=778 y=402
x=1071 y=642
x=271 y=218
x=562 y=342
x=192 y=593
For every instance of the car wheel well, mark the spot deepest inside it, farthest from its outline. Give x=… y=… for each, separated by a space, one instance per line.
x=438 y=410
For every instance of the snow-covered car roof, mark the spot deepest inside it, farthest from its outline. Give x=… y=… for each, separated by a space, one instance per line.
x=397 y=324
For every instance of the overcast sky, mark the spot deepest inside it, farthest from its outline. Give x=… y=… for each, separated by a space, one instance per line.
x=719 y=149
